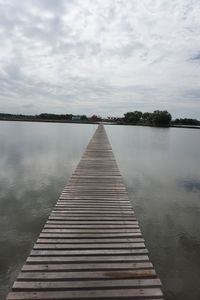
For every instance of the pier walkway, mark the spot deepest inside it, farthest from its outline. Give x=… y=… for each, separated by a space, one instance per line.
x=91 y=246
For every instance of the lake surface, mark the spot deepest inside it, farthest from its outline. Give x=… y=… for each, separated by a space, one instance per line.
x=160 y=169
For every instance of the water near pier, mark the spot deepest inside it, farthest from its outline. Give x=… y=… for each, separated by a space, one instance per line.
x=160 y=168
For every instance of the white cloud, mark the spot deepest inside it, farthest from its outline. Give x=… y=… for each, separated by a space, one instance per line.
x=100 y=56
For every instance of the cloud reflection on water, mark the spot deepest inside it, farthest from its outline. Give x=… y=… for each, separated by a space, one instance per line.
x=161 y=170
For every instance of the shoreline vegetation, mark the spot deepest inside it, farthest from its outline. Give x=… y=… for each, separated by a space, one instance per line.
x=156 y=119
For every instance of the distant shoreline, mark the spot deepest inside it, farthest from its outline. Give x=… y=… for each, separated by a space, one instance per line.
x=186 y=126
x=47 y=121
x=90 y=122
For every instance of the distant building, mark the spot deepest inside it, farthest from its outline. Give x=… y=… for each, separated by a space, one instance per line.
x=76 y=118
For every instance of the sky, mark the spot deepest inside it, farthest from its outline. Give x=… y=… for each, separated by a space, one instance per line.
x=102 y=57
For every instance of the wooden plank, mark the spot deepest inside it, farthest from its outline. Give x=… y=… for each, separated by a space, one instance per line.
x=89 y=241
x=90 y=235
x=95 y=218
x=92 y=211
x=84 y=259
x=92 y=208
x=131 y=293
x=105 y=274
x=87 y=203
x=87 y=266
x=94 y=227
x=88 y=222
x=91 y=231
x=85 y=285
x=88 y=252
x=89 y=246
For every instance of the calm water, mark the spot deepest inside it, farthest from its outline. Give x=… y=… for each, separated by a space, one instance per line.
x=160 y=168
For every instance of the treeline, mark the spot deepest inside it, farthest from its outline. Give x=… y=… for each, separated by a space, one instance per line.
x=186 y=121
x=43 y=116
x=47 y=117
x=69 y=117
x=156 y=118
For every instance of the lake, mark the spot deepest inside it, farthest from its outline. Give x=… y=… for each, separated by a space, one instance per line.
x=160 y=167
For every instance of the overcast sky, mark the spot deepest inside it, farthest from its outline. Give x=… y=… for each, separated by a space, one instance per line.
x=100 y=56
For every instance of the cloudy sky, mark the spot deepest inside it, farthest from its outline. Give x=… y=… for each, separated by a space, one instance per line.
x=100 y=56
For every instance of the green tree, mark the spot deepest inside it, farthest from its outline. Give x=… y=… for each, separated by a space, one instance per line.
x=68 y=116
x=133 y=117
x=147 y=117
x=161 y=117
x=84 y=118
x=186 y=121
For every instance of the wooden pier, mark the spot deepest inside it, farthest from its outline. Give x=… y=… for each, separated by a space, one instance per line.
x=91 y=246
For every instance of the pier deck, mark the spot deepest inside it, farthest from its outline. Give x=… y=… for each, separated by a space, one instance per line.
x=91 y=246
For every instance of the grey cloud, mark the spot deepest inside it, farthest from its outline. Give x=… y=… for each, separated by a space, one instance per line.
x=196 y=57
x=28 y=106
x=103 y=55
x=50 y=5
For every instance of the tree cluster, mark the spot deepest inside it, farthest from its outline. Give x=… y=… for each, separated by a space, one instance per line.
x=95 y=118
x=157 y=118
x=46 y=116
x=186 y=121
x=43 y=116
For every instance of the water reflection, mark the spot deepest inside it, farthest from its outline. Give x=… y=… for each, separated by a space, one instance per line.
x=161 y=170
x=191 y=185
x=36 y=160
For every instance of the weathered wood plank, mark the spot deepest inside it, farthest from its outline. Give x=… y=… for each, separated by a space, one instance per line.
x=84 y=259
x=85 y=285
x=91 y=230
x=90 y=241
x=88 y=252
x=88 y=222
x=95 y=218
x=89 y=246
x=94 y=227
x=105 y=274
x=87 y=266
x=128 y=294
